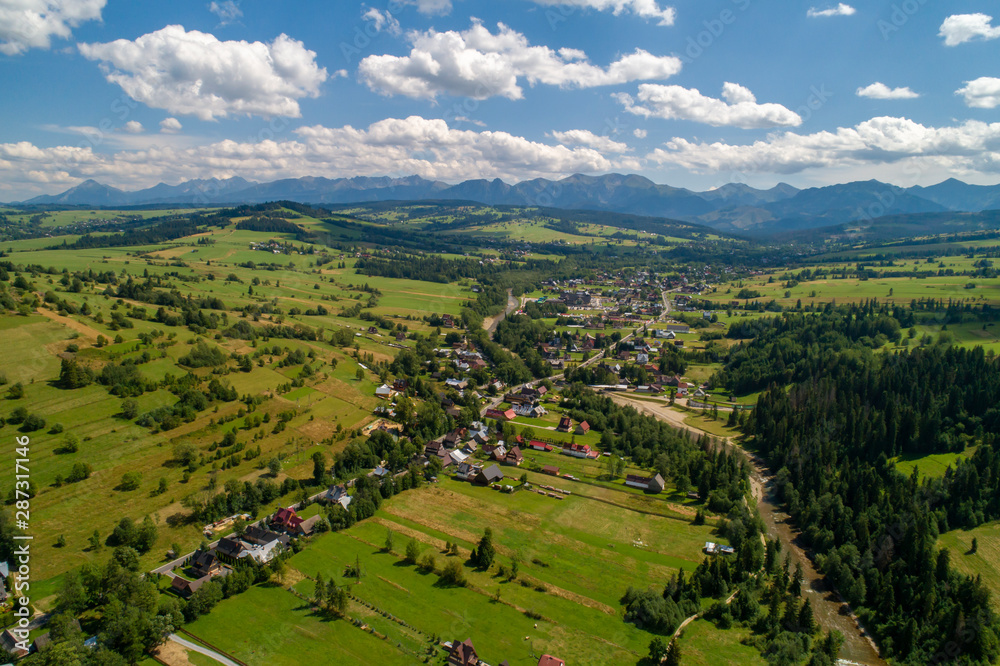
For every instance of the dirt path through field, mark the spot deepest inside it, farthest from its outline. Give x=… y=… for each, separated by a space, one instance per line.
x=77 y=326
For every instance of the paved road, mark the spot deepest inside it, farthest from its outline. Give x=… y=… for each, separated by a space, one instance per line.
x=183 y=642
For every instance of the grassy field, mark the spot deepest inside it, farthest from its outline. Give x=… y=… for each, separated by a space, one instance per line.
x=218 y=263
x=712 y=426
x=62 y=218
x=984 y=562
x=563 y=546
x=270 y=625
x=932 y=466
x=704 y=645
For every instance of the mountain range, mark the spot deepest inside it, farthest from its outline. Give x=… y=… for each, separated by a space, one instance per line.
x=734 y=207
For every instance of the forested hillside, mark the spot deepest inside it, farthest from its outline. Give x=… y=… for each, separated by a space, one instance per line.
x=831 y=437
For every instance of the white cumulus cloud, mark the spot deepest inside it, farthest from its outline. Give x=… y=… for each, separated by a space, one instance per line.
x=382 y=20
x=982 y=93
x=840 y=10
x=960 y=28
x=479 y=64
x=394 y=146
x=430 y=7
x=647 y=9
x=134 y=127
x=578 y=137
x=971 y=147
x=227 y=11
x=170 y=126
x=26 y=24
x=879 y=90
x=639 y=133
x=193 y=73
x=738 y=108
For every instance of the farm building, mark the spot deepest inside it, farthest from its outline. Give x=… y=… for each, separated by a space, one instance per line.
x=491 y=474
x=257 y=543
x=463 y=654
x=718 y=549
x=467 y=472
x=286 y=520
x=514 y=457
x=653 y=484
x=339 y=495
x=579 y=451
x=185 y=587
x=551 y=470
x=206 y=564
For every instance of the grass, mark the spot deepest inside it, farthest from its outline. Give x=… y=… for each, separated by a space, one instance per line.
x=575 y=538
x=276 y=627
x=712 y=426
x=853 y=290
x=704 y=645
x=332 y=399
x=113 y=446
x=985 y=562
x=929 y=466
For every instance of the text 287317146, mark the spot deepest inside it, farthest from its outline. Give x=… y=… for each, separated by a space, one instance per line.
x=22 y=553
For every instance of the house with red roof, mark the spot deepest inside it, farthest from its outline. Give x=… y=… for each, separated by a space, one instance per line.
x=579 y=451
x=287 y=520
x=498 y=415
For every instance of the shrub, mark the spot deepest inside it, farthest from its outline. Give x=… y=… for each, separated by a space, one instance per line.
x=32 y=423
x=453 y=574
x=80 y=471
x=428 y=563
x=412 y=552
x=203 y=355
x=130 y=481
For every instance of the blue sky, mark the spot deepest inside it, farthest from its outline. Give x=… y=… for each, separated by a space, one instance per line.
x=694 y=93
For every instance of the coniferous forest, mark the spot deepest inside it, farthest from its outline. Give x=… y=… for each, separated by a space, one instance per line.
x=831 y=436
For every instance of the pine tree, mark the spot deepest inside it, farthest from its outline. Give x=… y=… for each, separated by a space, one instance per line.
x=486 y=552
x=320 y=595
x=795 y=587
x=807 y=622
x=790 y=619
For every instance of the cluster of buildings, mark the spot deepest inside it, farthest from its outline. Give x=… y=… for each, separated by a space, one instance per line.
x=259 y=543
x=272 y=246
